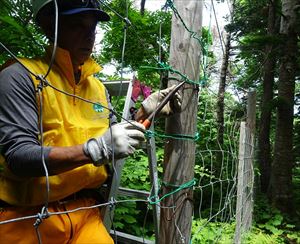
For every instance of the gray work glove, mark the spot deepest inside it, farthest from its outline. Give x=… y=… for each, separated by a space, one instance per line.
x=173 y=106
x=122 y=139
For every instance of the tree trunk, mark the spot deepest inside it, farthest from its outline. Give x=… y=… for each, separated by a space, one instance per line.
x=176 y=215
x=281 y=174
x=222 y=85
x=264 y=147
x=142 y=10
x=221 y=90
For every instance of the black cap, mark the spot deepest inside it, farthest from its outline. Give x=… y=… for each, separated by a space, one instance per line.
x=69 y=7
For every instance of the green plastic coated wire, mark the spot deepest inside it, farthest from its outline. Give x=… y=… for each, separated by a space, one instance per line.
x=163 y=66
x=186 y=185
x=195 y=35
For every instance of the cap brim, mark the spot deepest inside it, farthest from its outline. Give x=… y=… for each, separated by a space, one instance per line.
x=102 y=16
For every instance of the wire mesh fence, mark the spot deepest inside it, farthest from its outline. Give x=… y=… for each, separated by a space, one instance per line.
x=224 y=183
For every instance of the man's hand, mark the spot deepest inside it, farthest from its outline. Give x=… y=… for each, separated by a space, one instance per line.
x=121 y=139
x=173 y=106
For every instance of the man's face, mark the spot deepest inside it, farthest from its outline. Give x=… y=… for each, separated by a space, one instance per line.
x=76 y=33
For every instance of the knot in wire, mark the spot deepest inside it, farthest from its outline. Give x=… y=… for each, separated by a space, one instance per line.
x=111 y=113
x=127 y=22
x=203 y=81
x=169 y=3
x=149 y=134
x=165 y=66
x=149 y=200
x=43 y=82
x=112 y=202
x=197 y=136
x=44 y=214
x=152 y=200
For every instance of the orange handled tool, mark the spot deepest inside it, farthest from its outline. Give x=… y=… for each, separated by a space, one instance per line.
x=148 y=120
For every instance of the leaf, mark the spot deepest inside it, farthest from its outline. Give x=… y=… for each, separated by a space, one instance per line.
x=290 y=226
x=13 y=23
x=118 y=225
x=129 y=219
x=122 y=210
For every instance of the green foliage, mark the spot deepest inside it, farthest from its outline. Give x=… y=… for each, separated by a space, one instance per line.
x=255 y=35
x=204 y=231
x=249 y=17
x=201 y=172
x=256 y=236
x=206 y=36
x=135 y=175
x=213 y=165
x=207 y=124
x=207 y=40
x=270 y=221
x=18 y=31
x=21 y=35
x=249 y=31
x=142 y=39
x=127 y=219
x=296 y=183
x=256 y=42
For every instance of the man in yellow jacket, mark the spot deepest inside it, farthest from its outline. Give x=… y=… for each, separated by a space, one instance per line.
x=78 y=137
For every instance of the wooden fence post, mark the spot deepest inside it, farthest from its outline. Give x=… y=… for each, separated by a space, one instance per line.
x=179 y=161
x=245 y=180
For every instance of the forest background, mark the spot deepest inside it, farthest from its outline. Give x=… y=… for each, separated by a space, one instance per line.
x=259 y=53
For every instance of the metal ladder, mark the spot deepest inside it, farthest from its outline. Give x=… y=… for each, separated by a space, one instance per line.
x=113 y=189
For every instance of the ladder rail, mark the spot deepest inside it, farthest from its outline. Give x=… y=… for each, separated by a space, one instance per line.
x=152 y=159
x=121 y=88
x=113 y=88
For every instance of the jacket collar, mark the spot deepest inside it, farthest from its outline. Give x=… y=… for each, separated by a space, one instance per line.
x=63 y=62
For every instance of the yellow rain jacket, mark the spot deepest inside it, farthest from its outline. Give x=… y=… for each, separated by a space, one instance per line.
x=67 y=121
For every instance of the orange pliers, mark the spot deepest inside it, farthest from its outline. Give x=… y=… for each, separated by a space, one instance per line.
x=148 y=120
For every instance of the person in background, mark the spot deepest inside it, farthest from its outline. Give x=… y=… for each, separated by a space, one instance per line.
x=79 y=138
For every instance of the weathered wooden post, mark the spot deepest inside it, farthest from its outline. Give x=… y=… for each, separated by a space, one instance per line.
x=179 y=161
x=245 y=178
